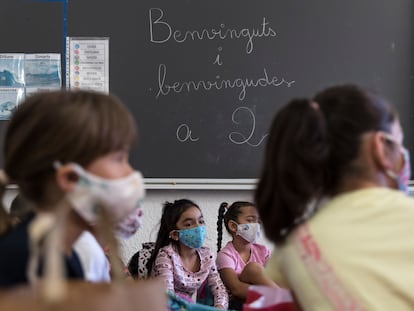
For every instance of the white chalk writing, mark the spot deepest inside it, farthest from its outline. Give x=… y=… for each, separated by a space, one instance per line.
x=184 y=133
x=161 y=31
x=242 y=84
x=218 y=61
x=239 y=138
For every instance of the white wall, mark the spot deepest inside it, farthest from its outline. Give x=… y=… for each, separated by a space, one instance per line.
x=208 y=200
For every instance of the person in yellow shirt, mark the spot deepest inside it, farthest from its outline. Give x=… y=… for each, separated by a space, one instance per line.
x=329 y=198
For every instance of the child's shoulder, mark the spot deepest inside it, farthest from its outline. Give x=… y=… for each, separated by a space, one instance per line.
x=227 y=248
x=168 y=249
x=261 y=249
x=205 y=250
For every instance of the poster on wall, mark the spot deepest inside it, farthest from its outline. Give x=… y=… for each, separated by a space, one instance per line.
x=11 y=83
x=23 y=74
x=87 y=63
x=9 y=100
x=42 y=72
x=12 y=70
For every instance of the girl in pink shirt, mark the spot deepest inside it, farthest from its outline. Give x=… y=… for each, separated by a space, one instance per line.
x=179 y=257
x=241 y=261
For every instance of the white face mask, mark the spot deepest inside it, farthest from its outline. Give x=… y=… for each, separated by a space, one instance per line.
x=250 y=232
x=403 y=177
x=130 y=224
x=121 y=197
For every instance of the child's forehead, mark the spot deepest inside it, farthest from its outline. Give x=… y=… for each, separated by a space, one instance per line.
x=248 y=210
x=191 y=213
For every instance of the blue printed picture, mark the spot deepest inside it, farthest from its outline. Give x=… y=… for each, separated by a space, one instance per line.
x=42 y=70
x=9 y=100
x=12 y=70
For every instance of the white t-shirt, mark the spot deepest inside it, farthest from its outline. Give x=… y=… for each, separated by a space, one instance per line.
x=94 y=262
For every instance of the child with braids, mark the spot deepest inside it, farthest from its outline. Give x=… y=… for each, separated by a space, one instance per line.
x=241 y=261
x=179 y=257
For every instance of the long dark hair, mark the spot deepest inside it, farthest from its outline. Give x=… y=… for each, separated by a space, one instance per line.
x=310 y=148
x=171 y=213
x=227 y=213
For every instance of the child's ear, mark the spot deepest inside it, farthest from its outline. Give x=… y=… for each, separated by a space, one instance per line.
x=174 y=235
x=380 y=153
x=66 y=178
x=232 y=226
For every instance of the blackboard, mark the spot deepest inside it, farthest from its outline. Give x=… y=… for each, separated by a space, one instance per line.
x=205 y=78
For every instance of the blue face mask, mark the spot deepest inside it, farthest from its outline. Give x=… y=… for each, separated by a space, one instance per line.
x=194 y=237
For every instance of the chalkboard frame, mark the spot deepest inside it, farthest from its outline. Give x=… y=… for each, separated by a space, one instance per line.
x=249 y=183
x=200 y=183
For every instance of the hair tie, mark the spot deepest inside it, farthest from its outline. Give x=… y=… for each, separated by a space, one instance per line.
x=226 y=207
x=314 y=105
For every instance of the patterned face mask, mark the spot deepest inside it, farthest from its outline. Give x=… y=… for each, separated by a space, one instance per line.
x=405 y=174
x=250 y=232
x=130 y=224
x=402 y=178
x=194 y=237
x=121 y=198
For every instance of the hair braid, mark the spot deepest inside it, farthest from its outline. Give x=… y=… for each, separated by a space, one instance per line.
x=221 y=212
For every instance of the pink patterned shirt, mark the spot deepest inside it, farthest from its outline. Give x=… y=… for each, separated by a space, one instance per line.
x=168 y=265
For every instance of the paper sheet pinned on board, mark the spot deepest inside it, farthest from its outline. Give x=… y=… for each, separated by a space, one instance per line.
x=87 y=63
x=24 y=74
x=9 y=100
x=12 y=70
x=42 y=72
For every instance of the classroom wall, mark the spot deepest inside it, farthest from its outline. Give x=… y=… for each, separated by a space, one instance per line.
x=208 y=200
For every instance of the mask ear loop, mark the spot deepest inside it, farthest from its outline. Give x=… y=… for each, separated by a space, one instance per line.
x=37 y=230
x=105 y=229
x=55 y=286
x=46 y=236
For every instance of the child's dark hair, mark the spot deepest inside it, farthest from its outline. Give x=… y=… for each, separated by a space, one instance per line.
x=171 y=212
x=232 y=213
x=132 y=265
x=310 y=148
